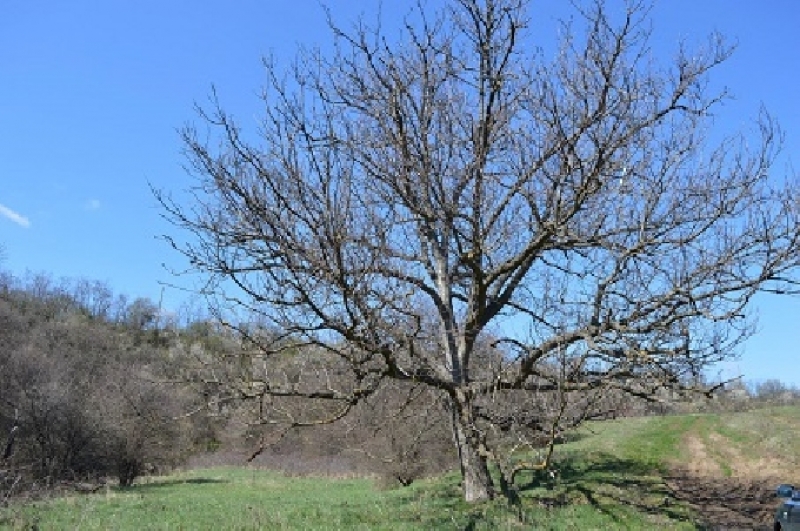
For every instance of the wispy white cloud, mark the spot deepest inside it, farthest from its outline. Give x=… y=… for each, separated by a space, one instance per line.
x=17 y=218
x=92 y=204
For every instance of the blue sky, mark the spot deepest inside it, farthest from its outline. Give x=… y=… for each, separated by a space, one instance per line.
x=93 y=91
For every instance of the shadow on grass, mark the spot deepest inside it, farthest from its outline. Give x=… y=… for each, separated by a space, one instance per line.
x=574 y=436
x=611 y=486
x=144 y=487
x=605 y=482
x=726 y=503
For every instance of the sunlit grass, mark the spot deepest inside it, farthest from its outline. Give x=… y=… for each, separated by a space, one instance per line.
x=245 y=499
x=609 y=477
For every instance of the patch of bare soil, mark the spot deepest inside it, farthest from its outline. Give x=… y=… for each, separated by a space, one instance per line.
x=763 y=468
x=744 y=499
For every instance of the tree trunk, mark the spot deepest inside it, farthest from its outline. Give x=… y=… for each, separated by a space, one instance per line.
x=475 y=477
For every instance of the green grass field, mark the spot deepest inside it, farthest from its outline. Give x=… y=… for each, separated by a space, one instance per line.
x=611 y=476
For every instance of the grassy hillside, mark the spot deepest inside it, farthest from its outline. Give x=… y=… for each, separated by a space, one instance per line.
x=641 y=473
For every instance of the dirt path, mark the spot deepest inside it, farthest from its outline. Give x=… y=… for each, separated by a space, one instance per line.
x=728 y=490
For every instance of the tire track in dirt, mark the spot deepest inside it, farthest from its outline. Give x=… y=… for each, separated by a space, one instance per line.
x=727 y=489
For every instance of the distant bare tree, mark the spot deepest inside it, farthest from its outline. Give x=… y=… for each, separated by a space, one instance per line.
x=402 y=200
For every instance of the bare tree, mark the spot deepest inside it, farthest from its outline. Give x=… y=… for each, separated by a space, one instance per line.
x=403 y=201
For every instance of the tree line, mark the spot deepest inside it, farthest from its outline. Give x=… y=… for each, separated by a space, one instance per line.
x=97 y=387
x=86 y=393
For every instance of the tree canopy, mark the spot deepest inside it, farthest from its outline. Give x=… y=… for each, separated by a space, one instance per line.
x=524 y=235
